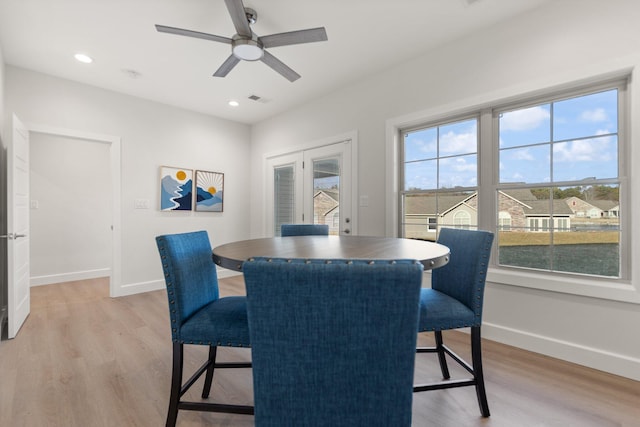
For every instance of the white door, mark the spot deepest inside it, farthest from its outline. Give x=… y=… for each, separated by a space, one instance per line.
x=311 y=186
x=18 y=295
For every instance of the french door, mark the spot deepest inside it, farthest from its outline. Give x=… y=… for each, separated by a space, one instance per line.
x=311 y=186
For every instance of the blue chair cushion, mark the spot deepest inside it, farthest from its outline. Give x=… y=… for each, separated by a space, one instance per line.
x=438 y=312
x=222 y=322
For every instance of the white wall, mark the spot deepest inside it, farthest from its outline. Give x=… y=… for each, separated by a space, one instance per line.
x=151 y=135
x=557 y=44
x=71 y=209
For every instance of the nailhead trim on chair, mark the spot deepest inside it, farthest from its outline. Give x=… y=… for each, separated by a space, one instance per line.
x=331 y=261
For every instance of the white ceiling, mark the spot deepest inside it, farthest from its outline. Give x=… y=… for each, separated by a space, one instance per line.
x=365 y=37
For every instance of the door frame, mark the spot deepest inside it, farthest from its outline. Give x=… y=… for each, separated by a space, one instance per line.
x=114 y=160
x=268 y=186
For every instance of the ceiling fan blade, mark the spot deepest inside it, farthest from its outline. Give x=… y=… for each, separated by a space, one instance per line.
x=280 y=67
x=239 y=17
x=295 y=37
x=226 y=66
x=195 y=34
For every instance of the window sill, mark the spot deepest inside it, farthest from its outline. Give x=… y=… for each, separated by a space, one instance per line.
x=616 y=290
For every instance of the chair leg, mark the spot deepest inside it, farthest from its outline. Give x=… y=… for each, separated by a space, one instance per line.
x=441 y=355
x=176 y=384
x=208 y=379
x=476 y=355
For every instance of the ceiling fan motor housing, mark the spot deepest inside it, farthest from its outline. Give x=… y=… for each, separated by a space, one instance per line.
x=247 y=49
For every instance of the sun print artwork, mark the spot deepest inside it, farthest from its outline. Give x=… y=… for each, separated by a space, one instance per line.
x=176 y=189
x=209 y=191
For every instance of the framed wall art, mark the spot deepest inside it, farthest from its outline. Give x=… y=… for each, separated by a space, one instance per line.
x=209 y=191
x=176 y=189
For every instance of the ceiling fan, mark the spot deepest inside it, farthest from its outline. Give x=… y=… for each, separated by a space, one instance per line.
x=247 y=45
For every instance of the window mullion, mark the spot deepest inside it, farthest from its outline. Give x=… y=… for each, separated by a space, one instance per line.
x=487 y=170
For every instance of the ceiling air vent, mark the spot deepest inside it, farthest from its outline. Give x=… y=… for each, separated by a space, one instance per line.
x=259 y=99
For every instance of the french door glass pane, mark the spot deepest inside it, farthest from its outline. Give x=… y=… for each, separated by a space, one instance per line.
x=284 y=196
x=326 y=193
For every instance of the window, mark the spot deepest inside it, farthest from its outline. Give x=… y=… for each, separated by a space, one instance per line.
x=551 y=185
x=562 y=154
x=440 y=176
x=462 y=219
x=504 y=221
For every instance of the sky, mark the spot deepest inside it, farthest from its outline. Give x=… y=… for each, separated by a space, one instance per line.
x=569 y=140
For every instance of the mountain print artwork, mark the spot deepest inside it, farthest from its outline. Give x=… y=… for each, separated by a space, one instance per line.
x=176 y=189
x=209 y=191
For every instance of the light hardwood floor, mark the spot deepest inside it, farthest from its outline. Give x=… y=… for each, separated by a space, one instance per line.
x=84 y=359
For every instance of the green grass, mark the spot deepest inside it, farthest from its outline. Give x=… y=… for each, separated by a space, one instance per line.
x=520 y=238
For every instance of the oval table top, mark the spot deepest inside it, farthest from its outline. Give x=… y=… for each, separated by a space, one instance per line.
x=430 y=254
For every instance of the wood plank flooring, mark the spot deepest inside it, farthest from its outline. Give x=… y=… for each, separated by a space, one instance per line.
x=84 y=359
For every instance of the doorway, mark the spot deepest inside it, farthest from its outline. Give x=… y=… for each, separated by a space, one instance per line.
x=86 y=214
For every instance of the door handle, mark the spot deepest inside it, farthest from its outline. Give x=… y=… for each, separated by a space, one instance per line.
x=12 y=236
x=346 y=231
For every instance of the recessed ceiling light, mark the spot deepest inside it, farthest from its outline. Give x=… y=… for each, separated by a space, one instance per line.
x=86 y=59
x=234 y=103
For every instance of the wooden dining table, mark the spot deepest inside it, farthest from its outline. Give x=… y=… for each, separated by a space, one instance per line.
x=370 y=248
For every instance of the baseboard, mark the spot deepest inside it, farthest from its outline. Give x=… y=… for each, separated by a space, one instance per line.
x=155 y=285
x=225 y=272
x=69 y=277
x=139 y=287
x=617 y=364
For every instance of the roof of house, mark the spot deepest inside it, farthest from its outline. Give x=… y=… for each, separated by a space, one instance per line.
x=605 y=205
x=334 y=194
x=428 y=204
x=541 y=207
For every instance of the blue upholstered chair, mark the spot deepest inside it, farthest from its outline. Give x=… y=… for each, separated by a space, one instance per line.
x=304 y=230
x=455 y=301
x=199 y=317
x=332 y=342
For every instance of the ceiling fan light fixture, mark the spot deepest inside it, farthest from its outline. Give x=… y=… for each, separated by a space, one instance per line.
x=247 y=49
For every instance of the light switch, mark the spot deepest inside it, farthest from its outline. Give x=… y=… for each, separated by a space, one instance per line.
x=141 y=204
x=34 y=204
x=364 y=201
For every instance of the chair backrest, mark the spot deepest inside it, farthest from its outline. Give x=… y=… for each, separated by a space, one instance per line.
x=463 y=278
x=189 y=273
x=304 y=230
x=333 y=341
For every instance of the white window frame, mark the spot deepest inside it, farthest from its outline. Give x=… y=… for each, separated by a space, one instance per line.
x=627 y=288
